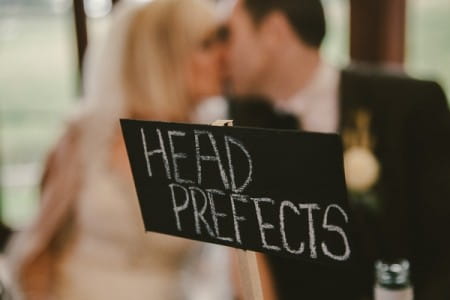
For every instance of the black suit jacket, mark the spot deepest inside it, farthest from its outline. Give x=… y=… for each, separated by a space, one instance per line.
x=410 y=124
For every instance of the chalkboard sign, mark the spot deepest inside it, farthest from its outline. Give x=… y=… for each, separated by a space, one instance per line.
x=274 y=191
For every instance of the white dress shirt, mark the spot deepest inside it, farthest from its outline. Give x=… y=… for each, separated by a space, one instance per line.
x=317 y=104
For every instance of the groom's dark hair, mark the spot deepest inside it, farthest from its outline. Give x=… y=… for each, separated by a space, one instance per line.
x=305 y=16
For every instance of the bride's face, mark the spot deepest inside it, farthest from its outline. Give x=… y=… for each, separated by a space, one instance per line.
x=205 y=68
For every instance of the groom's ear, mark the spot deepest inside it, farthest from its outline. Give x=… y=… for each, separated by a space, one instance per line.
x=275 y=30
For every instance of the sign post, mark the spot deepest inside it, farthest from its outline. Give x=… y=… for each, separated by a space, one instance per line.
x=247 y=262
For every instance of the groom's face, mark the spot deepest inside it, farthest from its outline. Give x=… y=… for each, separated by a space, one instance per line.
x=247 y=56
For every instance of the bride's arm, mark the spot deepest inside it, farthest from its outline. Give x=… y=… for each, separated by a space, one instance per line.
x=33 y=252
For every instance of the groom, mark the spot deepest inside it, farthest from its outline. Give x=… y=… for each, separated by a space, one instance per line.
x=401 y=199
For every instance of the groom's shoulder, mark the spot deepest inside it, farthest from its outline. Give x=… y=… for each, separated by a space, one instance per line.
x=389 y=86
x=384 y=77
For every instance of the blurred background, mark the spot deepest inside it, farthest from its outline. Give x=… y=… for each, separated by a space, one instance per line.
x=42 y=43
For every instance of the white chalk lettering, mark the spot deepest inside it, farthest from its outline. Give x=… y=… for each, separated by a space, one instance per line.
x=229 y=140
x=337 y=229
x=312 y=234
x=176 y=156
x=262 y=225
x=178 y=208
x=236 y=218
x=199 y=214
x=161 y=150
x=214 y=158
x=216 y=215
x=286 y=246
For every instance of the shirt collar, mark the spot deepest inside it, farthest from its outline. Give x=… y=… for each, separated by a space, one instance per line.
x=322 y=86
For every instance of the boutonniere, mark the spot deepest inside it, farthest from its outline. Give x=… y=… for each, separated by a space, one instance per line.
x=361 y=166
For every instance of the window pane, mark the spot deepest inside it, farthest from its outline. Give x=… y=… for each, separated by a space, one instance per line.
x=428 y=40
x=336 y=44
x=37 y=88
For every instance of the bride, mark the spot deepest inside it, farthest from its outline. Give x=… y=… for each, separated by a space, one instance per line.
x=87 y=242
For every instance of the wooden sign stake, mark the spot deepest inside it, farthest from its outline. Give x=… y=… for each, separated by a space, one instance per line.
x=248 y=264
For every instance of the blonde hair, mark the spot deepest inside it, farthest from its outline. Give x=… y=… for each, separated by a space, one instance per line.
x=160 y=38
x=137 y=70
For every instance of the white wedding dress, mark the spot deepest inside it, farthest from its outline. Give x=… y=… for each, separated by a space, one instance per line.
x=110 y=256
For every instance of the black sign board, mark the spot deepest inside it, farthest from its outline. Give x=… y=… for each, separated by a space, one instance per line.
x=274 y=191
